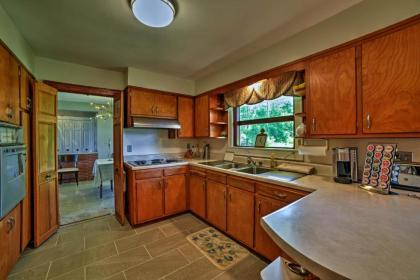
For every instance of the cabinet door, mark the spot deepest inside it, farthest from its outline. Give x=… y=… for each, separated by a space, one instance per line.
x=149 y=194
x=216 y=204
x=240 y=216
x=391 y=84
x=166 y=106
x=202 y=116
x=141 y=102
x=67 y=136
x=10 y=241
x=175 y=194
x=332 y=94
x=25 y=89
x=27 y=201
x=197 y=195
x=87 y=136
x=263 y=243
x=186 y=117
x=77 y=136
x=9 y=89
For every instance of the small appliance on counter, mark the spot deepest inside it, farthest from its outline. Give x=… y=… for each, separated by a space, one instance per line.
x=345 y=165
x=406 y=176
x=206 y=151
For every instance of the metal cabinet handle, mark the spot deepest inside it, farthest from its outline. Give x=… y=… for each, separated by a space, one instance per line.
x=224 y=195
x=280 y=195
x=230 y=196
x=48 y=176
x=9 y=111
x=313 y=124
x=10 y=223
x=157 y=110
x=368 y=121
x=152 y=109
x=259 y=207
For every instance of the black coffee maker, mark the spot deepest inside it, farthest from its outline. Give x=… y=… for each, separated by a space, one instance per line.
x=345 y=165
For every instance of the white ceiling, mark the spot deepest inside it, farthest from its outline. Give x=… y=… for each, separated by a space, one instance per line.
x=72 y=97
x=205 y=36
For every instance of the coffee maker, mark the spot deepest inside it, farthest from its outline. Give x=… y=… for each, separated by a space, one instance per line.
x=345 y=165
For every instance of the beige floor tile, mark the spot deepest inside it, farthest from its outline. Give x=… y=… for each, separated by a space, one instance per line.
x=201 y=269
x=138 y=239
x=105 y=237
x=187 y=222
x=49 y=243
x=77 y=274
x=118 y=276
x=247 y=269
x=110 y=266
x=161 y=246
x=81 y=259
x=37 y=258
x=190 y=252
x=151 y=226
x=35 y=273
x=171 y=229
x=158 y=267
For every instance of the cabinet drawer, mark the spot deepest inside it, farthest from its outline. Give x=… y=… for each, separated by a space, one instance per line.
x=148 y=173
x=175 y=170
x=280 y=193
x=241 y=183
x=198 y=171
x=216 y=177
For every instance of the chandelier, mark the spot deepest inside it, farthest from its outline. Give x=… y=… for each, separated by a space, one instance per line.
x=103 y=111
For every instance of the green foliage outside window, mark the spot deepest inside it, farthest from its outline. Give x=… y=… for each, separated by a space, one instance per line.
x=280 y=134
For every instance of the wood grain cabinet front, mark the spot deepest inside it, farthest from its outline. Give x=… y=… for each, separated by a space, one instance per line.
x=186 y=117
x=202 y=116
x=9 y=87
x=263 y=243
x=216 y=204
x=149 y=103
x=197 y=195
x=175 y=194
x=10 y=230
x=149 y=199
x=390 y=82
x=240 y=215
x=332 y=94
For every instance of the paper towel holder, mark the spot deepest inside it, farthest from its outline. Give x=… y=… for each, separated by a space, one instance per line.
x=314 y=150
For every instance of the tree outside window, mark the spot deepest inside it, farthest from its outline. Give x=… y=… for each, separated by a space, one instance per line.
x=275 y=116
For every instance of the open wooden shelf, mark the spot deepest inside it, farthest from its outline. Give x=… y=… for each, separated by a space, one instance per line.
x=218 y=117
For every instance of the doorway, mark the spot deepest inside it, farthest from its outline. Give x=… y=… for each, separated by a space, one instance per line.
x=85 y=156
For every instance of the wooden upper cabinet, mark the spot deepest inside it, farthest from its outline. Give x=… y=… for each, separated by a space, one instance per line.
x=332 y=94
x=175 y=194
x=240 y=215
x=202 y=116
x=186 y=116
x=216 y=204
x=149 y=198
x=148 y=103
x=390 y=82
x=25 y=90
x=9 y=87
x=197 y=195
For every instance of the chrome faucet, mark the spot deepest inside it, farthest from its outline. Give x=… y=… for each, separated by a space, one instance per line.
x=251 y=162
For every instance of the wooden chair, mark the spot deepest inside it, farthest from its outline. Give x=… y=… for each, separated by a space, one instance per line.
x=68 y=165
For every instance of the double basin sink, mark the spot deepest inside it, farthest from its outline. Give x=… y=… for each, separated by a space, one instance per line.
x=255 y=170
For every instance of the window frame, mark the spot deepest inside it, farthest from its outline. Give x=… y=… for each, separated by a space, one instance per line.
x=237 y=123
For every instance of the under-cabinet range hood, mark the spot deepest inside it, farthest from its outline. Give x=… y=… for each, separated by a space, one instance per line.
x=156 y=123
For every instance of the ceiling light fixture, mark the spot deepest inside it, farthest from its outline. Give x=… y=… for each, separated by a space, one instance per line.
x=153 y=13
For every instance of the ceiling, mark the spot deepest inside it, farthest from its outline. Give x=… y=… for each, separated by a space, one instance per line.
x=84 y=98
x=206 y=35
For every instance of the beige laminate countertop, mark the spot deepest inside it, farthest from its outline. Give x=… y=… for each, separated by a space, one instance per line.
x=341 y=231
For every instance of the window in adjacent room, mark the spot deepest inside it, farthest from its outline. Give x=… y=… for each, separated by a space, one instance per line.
x=275 y=116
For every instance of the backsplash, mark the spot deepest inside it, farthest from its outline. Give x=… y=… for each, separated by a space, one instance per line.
x=9 y=134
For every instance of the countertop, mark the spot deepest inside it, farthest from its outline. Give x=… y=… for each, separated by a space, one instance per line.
x=342 y=231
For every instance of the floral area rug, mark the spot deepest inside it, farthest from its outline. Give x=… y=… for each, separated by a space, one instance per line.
x=219 y=249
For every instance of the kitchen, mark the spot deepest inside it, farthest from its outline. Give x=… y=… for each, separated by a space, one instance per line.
x=294 y=157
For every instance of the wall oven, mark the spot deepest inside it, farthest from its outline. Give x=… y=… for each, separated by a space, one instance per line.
x=12 y=177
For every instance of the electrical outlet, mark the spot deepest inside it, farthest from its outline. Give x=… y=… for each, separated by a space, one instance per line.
x=129 y=148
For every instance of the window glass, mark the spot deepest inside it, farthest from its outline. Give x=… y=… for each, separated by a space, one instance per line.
x=282 y=106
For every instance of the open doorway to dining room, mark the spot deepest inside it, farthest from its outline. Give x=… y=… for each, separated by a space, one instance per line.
x=85 y=156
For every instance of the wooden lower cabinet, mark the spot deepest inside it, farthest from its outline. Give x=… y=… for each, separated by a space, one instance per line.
x=263 y=243
x=197 y=195
x=175 y=194
x=216 y=204
x=240 y=215
x=149 y=198
x=10 y=230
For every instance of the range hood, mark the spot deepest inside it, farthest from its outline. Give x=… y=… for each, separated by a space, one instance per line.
x=156 y=123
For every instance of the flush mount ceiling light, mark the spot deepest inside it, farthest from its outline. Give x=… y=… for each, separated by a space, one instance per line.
x=154 y=13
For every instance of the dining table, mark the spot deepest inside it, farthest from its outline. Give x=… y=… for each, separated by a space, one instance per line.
x=103 y=171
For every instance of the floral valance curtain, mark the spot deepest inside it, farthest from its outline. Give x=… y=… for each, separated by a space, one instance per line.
x=267 y=89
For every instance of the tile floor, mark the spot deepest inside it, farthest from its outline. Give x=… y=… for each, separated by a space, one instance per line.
x=103 y=249
x=78 y=203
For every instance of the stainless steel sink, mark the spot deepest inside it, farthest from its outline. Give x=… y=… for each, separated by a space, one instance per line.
x=231 y=165
x=254 y=170
x=213 y=163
